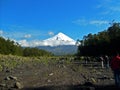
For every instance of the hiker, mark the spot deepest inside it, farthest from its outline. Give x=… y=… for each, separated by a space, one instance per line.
x=102 y=59
x=86 y=59
x=115 y=66
x=106 y=61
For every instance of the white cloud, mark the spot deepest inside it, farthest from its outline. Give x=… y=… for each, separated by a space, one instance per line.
x=1 y=32
x=117 y=8
x=24 y=43
x=98 y=22
x=28 y=36
x=34 y=43
x=80 y=22
x=90 y=22
x=51 y=33
x=109 y=7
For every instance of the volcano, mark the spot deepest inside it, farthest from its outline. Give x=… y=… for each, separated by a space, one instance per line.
x=59 y=39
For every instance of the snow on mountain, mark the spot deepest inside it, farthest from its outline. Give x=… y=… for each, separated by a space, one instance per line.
x=57 y=40
x=60 y=37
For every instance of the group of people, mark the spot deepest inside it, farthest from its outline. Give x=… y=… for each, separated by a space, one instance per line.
x=105 y=60
x=110 y=62
x=114 y=63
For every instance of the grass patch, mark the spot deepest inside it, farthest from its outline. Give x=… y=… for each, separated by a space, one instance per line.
x=11 y=62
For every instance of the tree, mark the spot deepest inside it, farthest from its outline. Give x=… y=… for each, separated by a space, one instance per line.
x=33 y=52
x=9 y=47
x=105 y=42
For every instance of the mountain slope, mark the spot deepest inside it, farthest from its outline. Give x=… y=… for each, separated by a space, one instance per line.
x=59 y=44
x=60 y=50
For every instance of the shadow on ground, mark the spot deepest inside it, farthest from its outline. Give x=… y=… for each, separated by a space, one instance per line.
x=75 y=87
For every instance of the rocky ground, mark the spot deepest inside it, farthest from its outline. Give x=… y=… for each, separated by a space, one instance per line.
x=39 y=76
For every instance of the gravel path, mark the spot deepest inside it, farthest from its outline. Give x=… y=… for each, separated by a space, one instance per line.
x=56 y=77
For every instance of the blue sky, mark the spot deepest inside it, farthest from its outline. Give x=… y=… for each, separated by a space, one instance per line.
x=28 y=20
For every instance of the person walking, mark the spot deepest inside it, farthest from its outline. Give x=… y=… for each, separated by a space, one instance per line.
x=106 y=61
x=102 y=61
x=115 y=66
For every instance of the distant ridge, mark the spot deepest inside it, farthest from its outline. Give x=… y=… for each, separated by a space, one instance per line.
x=60 y=50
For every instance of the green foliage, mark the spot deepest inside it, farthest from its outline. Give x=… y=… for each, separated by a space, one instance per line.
x=105 y=42
x=10 y=47
x=11 y=61
x=1 y=68
x=8 y=62
x=35 y=52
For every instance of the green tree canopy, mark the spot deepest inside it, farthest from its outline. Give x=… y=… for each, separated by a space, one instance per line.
x=105 y=42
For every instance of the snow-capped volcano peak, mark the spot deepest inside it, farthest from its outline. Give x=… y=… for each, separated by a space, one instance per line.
x=59 y=39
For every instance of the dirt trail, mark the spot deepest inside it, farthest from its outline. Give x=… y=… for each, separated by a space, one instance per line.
x=55 y=77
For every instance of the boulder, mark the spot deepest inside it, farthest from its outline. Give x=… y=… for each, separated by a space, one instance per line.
x=18 y=85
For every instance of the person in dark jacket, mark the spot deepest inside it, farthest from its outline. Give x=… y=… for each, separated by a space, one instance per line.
x=115 y=66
